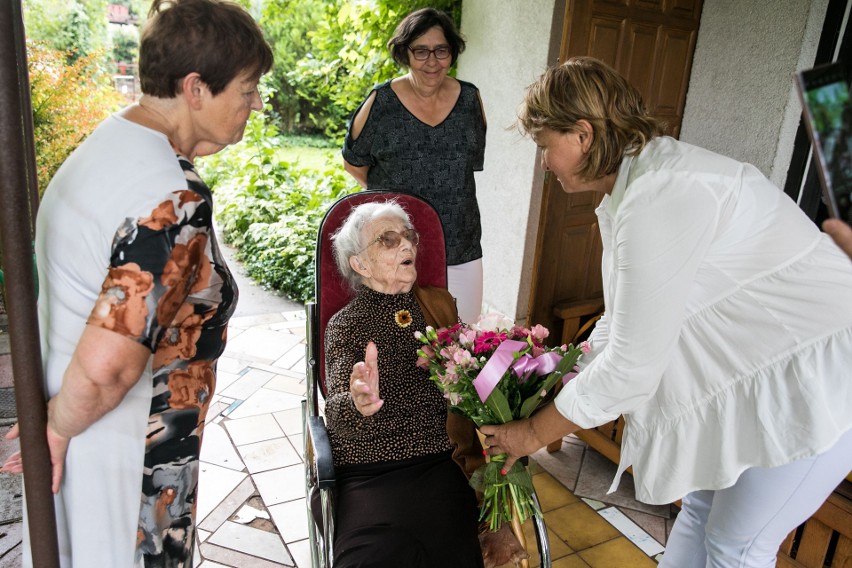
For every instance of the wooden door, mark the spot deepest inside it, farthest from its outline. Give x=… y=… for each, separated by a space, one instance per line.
x=650 y=42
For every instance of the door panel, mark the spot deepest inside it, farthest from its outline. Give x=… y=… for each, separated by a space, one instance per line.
x=640 y=55
x=669 y=95
x=650 y=42
x=605 y=38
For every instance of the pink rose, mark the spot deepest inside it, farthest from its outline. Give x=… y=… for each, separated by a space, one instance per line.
x=539 y=333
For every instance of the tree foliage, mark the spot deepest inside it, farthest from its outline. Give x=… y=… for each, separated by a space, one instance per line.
x=270 y=209
x=125 y=44
x=74 y=27
x=69 y=101
x=334 y=54
x=286 y=24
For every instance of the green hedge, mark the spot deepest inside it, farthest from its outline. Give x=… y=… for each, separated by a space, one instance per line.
x=270 y=210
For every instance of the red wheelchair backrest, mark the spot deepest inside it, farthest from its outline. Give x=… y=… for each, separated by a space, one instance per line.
x=333 y=292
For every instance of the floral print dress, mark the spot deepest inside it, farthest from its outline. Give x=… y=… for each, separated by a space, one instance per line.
x=168 y=288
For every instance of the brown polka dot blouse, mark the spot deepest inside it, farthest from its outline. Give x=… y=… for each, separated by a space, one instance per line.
x=412 y=421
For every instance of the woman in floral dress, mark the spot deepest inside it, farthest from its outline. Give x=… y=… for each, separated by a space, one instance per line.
x=136 y=297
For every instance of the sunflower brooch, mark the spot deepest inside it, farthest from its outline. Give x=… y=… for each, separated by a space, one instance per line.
x=402 y=318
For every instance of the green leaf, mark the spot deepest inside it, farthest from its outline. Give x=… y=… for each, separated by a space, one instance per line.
x=499 y=406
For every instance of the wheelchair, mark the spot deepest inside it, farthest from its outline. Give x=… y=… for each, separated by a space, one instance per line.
x=332 y=294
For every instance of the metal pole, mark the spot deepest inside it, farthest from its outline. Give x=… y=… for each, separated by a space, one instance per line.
x=16 y=242
x=26 y=112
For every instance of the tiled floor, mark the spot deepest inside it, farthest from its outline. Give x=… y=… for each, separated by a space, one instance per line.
x=251 y=507
x=252 y=503
x=251 y=510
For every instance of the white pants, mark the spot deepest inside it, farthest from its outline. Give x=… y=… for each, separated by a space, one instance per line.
x=743 y=526
x=464 y=281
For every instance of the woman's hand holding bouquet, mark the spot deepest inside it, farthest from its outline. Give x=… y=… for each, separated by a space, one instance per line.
x=494 y=372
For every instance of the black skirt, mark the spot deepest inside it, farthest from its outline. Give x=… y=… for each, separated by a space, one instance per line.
x=417 y=513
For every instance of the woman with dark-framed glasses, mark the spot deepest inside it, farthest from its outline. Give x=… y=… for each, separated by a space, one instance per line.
x=424 y=134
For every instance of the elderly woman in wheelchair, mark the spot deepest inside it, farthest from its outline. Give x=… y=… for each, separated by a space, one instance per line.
x=401 y=497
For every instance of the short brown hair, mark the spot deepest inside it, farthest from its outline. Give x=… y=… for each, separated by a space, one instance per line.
x=584 y=88
x=218 y=40
x=418 y=23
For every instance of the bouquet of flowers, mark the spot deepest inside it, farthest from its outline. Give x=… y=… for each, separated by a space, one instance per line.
x=494 y=372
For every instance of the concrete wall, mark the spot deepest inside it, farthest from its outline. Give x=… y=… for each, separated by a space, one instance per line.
x=741 y=100
x=509 y=44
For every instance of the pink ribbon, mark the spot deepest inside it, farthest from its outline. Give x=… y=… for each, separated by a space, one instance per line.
x=494 y=369
x=502 y=359
x=545 y=363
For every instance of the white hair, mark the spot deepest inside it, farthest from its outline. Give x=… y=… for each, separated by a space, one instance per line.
x=349 y=239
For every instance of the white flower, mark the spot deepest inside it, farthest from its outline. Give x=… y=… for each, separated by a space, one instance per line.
x=493 y=321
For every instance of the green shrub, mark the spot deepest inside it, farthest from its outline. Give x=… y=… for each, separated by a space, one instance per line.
x=309 y=141
x=271 y=210
x=69 y=101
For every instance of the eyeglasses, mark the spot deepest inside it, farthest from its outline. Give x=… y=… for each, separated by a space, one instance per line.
x=423 y=53
x=391 y=239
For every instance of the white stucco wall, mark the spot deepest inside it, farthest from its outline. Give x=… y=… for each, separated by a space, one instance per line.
x=509 y=44
x=741 y=100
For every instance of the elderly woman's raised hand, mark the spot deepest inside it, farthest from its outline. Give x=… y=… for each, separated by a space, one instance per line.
x=364 y=382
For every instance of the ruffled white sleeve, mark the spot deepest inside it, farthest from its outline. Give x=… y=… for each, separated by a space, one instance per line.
x=661 y=232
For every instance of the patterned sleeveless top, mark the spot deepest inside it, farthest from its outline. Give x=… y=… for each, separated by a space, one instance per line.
x=436 y=163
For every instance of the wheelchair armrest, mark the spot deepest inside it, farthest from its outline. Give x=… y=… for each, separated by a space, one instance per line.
x=323 y=461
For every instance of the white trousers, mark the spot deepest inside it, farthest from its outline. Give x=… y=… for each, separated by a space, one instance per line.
x=743 y=526
x=464 y=281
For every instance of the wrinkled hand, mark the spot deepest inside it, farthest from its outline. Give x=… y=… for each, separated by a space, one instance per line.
x=58 y=446
x=516 y=439
x=14 y=463
x=364 y=382
x=841 y=233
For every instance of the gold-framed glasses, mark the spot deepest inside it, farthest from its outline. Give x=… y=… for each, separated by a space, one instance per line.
x=391 y=239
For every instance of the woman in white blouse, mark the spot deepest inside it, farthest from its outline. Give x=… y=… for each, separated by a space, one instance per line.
x=727 y=339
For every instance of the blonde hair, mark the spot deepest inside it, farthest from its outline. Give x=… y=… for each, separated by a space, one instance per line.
x=585 y=88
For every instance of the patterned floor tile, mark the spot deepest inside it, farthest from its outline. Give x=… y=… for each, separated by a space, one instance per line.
x=269 y=455
x=281 y=485
x=632 y=531
x=616 y=553
x=251 y=541
x=266 y=401
x=228 y=506
x=248 y=384
x=218 y=448
x=215 y=483
x=291 y=518
x=579 y=526
x=252 y=429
